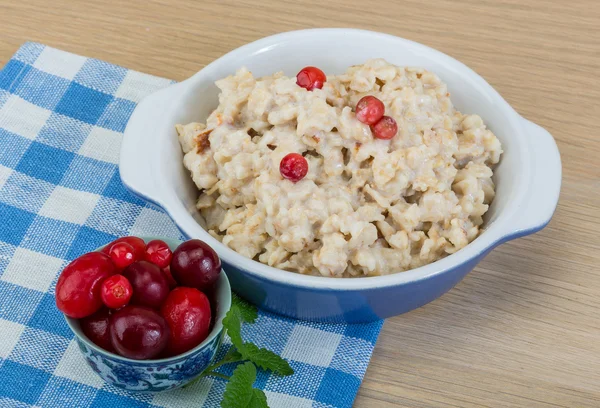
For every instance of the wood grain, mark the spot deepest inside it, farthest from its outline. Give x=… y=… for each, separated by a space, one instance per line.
x=522 y=330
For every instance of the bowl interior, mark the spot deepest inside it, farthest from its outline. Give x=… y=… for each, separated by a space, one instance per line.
x=222 y=300
x=334 y=50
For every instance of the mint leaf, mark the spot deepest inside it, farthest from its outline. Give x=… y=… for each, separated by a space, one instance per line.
x=248 y=312
x=266 y=359
x=232 y=355
x=259 y=399
x=240 y=312
x=239 y=392
x=233 y=324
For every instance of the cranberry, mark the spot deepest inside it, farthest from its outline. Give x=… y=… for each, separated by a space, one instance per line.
x=293 y=167
x=138 y=332
x=78 y=287
x=196 y=265
x=96 y=328
x=159 y=253
x=369 y=110
x=187 y=312
x=138 y=244
x=167 y=271
x=122 y=254
x=116 y=291
x=311 y=78
x=386 y=128
x=149 y=283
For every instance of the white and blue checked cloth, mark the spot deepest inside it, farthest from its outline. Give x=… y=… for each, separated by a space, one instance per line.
x=62 y=118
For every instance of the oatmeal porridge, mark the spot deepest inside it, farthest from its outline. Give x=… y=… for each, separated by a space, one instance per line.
x=367 y=204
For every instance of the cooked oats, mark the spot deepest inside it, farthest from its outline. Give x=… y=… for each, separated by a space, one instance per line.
x=367 y=206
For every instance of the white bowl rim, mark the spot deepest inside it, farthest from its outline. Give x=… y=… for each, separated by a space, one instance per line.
x=492 y=236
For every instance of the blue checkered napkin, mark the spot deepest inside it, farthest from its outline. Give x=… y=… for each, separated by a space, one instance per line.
x=61 y=123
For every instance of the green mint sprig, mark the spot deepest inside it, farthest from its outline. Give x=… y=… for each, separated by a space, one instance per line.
x=239 y=392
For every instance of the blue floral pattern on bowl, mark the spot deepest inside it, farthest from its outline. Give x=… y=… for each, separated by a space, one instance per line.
x=148 y=376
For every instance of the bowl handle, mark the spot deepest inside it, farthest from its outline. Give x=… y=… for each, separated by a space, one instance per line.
x=138 y=138
x=544 y=185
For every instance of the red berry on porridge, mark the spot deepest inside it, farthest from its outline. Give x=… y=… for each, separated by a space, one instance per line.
x=385 y=128
x=369 y=110
x=311 y=78
x=293 y=167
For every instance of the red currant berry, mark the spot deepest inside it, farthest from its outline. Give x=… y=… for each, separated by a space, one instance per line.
x=138 y=245
x=293 y=167
x=116 y=291
x=311 y=78
x=386 y=128
x=369 y=110
x=159 y=253
x=122 y=254
x=79 y=284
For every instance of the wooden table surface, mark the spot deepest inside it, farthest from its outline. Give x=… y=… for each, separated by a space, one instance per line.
x=523 y=329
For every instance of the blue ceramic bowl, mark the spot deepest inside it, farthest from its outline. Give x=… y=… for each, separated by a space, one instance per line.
x=527 y=178
x=161 y=374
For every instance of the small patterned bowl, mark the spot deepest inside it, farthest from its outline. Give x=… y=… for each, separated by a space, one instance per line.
x=162 y=374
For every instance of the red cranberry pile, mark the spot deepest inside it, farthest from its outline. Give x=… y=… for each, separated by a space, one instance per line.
x=140 y=300
x=369 y=110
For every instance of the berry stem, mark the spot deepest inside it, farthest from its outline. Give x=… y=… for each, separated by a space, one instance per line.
x=209 y=371
x=223 y=362
x=218 y=375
